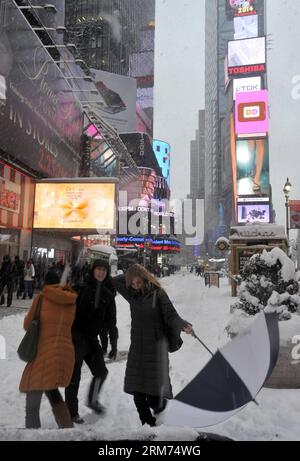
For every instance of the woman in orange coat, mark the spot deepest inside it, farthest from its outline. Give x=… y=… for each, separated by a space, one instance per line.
x=53 y=365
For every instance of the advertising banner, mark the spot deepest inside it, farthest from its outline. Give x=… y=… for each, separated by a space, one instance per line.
x=117 y=106
x=78 y=206
x=245 y=27
x=40 y=120
x=252 y=164
x=246 y=57
x=162 y=152
x=251 y=114
x=246 y=85
x=255 y=212
x=16 y=198
x=294 y=214
x=240 y=8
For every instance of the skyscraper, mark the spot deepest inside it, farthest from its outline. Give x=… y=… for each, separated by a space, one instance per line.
x=221 y=27
x=197 y=160
x=106 y=32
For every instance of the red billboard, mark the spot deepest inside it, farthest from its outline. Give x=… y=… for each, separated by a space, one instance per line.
x=294 y=214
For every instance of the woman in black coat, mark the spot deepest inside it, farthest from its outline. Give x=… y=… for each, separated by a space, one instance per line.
x=96 y=298
x=152 y=313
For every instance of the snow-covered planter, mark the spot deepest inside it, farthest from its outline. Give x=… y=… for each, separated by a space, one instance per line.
x=269 y=280
x=269 y=283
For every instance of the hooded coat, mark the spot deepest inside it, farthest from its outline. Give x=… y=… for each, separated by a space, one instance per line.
x=54 y=362
x=95 y=306
x=147 y=369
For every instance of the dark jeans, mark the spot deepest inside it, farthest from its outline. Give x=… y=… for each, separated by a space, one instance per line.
x=28 y=288
x=144 y=403
x=33 y=403
x=92 y=354
x=10 y=288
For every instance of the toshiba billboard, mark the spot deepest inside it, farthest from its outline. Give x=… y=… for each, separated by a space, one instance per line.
x=246 y=57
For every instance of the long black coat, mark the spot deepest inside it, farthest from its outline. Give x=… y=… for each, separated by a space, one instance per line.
x=94 y=308
x=147 y=368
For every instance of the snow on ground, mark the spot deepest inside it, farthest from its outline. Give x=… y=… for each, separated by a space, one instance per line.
x=276 y=417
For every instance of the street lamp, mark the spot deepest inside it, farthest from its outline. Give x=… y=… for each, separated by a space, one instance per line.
x=286 y=190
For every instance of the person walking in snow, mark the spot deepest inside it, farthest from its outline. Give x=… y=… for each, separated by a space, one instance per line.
x=53 y=365
x=96 y=298
x=147 y=371
x=29 y=274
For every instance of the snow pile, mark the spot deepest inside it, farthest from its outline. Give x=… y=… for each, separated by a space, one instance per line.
x=288 y=270
x=268 y=281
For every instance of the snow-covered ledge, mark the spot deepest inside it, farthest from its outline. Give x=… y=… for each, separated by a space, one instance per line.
x=286 y=374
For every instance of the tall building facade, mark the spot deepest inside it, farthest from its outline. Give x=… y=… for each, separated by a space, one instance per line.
x=227 y=22
x=197 y=160
x=211 y=119
x=106 y=32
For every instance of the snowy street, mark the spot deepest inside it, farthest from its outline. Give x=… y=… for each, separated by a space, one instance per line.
x=276 y=417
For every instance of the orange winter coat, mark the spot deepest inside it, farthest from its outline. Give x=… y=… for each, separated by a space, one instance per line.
x=54 y=362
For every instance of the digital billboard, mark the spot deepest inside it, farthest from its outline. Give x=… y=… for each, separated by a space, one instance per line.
x=251 y=114
x=40 y=119
x=252 y=167
x=75 y=205
x=240 y=8
x=245 y=27
x=247 y=56
x=162 y=152
x=145 y=97
x=118 y=100
x=255 y=212
x=246 y=85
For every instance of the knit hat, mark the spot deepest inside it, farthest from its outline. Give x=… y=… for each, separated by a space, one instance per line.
x=101 y=263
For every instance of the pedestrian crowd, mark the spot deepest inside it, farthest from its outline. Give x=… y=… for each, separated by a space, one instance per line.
x=78 y=320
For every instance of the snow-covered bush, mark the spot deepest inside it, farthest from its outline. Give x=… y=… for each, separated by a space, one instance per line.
x=268 y=281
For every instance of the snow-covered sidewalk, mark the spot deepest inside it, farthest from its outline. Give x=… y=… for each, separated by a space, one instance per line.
x=276 y=417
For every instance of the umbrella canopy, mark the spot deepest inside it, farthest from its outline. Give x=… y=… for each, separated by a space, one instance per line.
x=231 y=379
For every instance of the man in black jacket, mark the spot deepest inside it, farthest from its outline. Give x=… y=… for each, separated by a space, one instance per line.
x=96 y=298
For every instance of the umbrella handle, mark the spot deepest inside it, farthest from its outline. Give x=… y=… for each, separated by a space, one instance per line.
x=201 y=342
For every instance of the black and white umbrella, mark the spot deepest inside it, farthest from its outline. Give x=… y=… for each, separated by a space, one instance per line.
x=231 y=379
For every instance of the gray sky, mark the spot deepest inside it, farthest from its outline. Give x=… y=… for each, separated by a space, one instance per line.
x=179 y=82
x=179 y=90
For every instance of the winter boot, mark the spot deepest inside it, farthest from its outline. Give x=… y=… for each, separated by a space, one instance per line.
x=77 y=419
x=62 y=415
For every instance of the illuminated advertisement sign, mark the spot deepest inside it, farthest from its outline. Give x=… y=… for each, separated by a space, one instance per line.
x=245 y=27
x=246 y=85
x=247 y=56
x=251 y=114
x=116 y=100
x=252 y=167
x=40 y=119
x=158 y=244
x=240 y=8
x=162 y=152
x=255 y=212
x=294 y=214
x=75 y=205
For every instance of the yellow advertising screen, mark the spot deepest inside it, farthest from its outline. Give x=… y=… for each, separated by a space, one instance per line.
x=75 y=206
